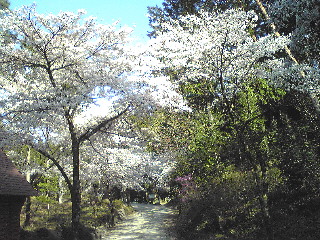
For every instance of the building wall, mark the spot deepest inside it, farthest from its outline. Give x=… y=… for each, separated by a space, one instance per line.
x=10 y=208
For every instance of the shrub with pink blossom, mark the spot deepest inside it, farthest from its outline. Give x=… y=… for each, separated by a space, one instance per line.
x=187 y=187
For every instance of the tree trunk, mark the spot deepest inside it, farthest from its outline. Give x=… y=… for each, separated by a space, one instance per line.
x=60 y=194
x=262 y=186
x=28 y=199
x=76 y=142
x=28 y=212
x=75 y=193
x=263 y=195
x=263 y=200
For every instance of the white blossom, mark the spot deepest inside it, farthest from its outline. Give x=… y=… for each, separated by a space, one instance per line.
x=217 y=47
x=54 y=69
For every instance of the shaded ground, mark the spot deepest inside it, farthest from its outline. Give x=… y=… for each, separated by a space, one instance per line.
x=149 y=222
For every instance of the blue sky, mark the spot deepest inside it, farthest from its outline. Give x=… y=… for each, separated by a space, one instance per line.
x=129 y=12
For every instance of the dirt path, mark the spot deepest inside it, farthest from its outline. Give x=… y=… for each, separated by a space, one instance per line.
x=149 y=222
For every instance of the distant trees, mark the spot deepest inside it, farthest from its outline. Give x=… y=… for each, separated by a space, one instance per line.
x=173 y=9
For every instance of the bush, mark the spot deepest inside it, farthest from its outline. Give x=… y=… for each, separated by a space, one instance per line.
x=225 y=208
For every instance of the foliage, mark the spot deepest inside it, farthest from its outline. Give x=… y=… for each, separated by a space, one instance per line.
x=245 y=141
x=4 y=4
x=48 y=186
x=300 y=18
x=174 y=9
x=187 y=187
x=240 y=142
x=59 y=214
x=223 y=207
x=224 y=59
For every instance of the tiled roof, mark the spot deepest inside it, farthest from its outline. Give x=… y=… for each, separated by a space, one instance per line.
x=11 y=180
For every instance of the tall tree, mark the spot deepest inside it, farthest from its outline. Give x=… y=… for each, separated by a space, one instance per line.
x=53 y=69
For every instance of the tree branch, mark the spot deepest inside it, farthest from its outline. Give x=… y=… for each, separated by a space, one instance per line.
x=90 y=132
x=276 y=33
x=56 y=163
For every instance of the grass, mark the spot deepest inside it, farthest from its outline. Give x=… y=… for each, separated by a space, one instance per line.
x=52 y=215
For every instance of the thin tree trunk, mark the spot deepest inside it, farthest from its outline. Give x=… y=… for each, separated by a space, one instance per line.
x=264 y=207
x=262 y=186
x=28 y=199
x=263 y=194
x=263 y=200
x=28 y=212
x=60 y=194
x=275 y=32
x=76 y=194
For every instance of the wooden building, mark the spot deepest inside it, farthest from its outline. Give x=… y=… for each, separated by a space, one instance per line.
x=14 y=189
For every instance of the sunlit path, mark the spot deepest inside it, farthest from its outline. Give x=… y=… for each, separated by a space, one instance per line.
x=150 y=222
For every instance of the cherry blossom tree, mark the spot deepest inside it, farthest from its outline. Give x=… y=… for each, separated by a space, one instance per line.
x=55 y=68
x=214 y=48
x=126 y=168
x=121 y=158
